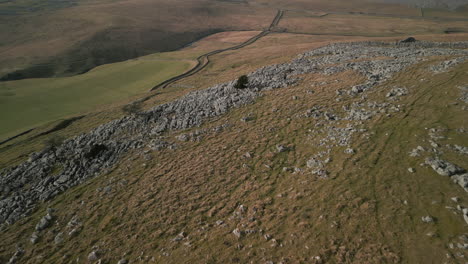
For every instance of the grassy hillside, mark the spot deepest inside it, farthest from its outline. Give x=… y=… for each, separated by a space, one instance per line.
x=368 y=211
x=28 y=103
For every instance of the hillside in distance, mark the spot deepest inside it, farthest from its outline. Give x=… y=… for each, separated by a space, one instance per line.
x=62 y=38
x=450 y=4
x=74 y=39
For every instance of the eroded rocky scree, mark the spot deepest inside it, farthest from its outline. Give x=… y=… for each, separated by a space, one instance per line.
x=85 y=156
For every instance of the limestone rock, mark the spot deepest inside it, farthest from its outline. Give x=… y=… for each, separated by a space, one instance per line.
x=444 y=168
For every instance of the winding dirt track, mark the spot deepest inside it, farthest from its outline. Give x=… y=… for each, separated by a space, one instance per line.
x=204 y=60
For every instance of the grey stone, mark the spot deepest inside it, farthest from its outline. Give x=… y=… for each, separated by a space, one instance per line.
x=462 y=180
x=427 y=219
x=122 y=261
x=16 y=256
x=417 y=151
x=93 y=256
x=237 y=232
x=444 y=168
x=281 y=148
x=246 y=119
x=34 y=238
x=59 y=238
x=461 y=149
x=44 y=222
x=314 y=163
x=349 y=151
x=397 y=92
x=179 y=237
x=465 y=214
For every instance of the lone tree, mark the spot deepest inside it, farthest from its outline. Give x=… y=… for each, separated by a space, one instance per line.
x=242 y=82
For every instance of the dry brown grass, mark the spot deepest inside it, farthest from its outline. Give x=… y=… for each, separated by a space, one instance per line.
x=356 y=216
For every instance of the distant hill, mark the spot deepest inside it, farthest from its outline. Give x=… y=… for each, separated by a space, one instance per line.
x=450 y=4
x=56 y=38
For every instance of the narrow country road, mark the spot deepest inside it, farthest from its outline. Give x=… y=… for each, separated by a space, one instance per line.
x=204 y=60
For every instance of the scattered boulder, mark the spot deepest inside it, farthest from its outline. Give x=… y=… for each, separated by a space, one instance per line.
x=465 y=214
x=461 y=149
x=397 y=92
x=427 y=219
x=237 y=232
x=462 y=180
x=281 y=148
x=45 y=222
x=417 y=151
x=18 y=254
x=180 y=237
x=246 y=119
x=34 y=237
x=314 y=163
x=349 y=151
x=182 y=137
x=59 y=238
x=444 y=168
x=93 y=256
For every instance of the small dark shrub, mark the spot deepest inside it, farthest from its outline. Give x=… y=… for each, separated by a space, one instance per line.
x=95 y=150
x=242 y=82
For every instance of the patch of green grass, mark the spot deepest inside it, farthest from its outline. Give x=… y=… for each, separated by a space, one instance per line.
x=27 y=103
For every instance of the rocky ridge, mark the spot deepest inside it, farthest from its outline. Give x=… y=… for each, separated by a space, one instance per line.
x=87 y=155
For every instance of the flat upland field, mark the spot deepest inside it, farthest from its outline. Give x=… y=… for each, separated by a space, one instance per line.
x=364 y=25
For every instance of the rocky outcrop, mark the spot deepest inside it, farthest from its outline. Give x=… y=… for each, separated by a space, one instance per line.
x=56 y=169
x=445 y=168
